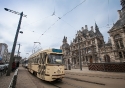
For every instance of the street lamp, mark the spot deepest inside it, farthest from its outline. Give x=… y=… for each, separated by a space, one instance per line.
x=15 y=40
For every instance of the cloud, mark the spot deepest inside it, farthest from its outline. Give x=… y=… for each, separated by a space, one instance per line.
x=40 y=21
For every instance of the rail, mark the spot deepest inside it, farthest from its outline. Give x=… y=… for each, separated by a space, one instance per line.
x=13 y=80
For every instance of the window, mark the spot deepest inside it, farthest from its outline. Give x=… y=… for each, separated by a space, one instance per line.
x=55 y=59
x=89 y=43
x=117 y=36
x=124 y=54
x=121 y=44
x=117 y=45
x=93 y=42
x=89 y=50
x=86 y=58
x=120 y=54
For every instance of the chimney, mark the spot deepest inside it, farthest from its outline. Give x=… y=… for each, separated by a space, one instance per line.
x=86 y=27
x=92 y=28
x=119 y=12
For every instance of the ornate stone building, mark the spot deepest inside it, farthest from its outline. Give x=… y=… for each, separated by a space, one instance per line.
x=66 y=49
x=117 y=35
x=89 y=45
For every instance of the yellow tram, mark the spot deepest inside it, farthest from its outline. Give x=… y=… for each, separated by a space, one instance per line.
x=47 y=64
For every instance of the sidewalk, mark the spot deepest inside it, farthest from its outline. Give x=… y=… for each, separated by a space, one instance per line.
x=5 y=80
x=23 y=79
x=85 y=70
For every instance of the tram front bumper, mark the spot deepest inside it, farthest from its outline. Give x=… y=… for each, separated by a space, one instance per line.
x=58 y=76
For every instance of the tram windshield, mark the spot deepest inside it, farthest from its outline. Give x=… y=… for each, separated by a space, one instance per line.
x=55 y=59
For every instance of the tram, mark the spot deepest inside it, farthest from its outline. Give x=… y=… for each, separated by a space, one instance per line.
x=47 y=64
x=25 y=63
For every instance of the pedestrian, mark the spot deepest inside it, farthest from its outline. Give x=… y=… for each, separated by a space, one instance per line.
x=17 y=64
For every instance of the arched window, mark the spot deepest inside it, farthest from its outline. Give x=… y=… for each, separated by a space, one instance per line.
x=121 y=43
x=118 y=41
x=89 y=50
x=107 y=58
x=117 y=36
x=120 y=54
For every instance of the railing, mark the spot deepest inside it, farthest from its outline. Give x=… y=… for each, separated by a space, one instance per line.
x=13 y=80
x=107 y=67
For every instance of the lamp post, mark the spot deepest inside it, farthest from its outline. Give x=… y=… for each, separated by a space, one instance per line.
x=15 y=40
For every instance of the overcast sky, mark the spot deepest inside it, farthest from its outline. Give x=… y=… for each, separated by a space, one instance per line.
x=41 y=26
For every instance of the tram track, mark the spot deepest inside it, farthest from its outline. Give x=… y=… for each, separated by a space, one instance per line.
x=85 y=81
x=99 y=76
x=61 y=84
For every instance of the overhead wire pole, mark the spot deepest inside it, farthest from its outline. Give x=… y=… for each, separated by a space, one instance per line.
x=15 y=40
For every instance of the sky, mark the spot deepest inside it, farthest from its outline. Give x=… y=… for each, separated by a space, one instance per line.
x=48 y=21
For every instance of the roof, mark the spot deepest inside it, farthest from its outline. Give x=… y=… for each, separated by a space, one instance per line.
x=119 y=24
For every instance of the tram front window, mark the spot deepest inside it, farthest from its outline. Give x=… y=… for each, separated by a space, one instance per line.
x=55 y=59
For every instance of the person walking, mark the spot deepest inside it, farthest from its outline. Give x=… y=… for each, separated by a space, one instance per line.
x=17 y=64
x=13 y=66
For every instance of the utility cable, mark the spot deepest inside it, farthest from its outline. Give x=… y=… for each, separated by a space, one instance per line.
x=61 y=17
x=73 y=8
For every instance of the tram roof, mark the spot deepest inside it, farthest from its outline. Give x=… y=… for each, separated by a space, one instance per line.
x=53 y=50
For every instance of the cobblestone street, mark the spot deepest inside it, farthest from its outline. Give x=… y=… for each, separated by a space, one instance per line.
x=73 y=79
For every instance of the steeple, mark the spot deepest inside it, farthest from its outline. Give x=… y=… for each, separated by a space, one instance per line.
x=97 y=32
x=65 y=39
x=123 y=5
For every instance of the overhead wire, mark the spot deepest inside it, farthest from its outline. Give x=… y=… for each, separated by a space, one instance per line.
x=60 y=17
x=73 y=8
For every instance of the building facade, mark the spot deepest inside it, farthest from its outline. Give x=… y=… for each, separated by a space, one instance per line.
x=89 y=46
x=3 y=53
